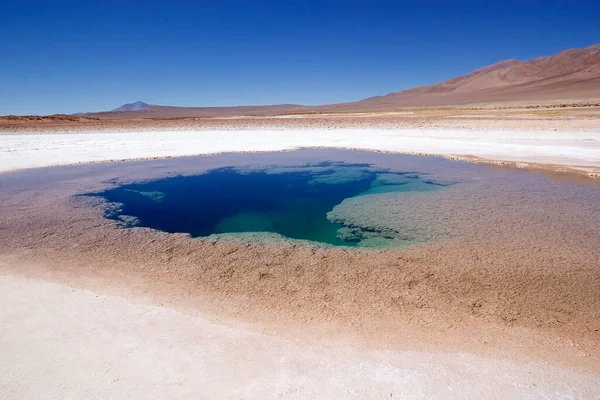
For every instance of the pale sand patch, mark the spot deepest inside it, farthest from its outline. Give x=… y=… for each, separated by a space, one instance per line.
x=575 y=150
x=59 y=342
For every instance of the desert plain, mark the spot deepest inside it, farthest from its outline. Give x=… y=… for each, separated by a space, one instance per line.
x=505 y=306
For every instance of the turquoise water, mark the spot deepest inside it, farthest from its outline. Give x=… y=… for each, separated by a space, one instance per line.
x=289 y=201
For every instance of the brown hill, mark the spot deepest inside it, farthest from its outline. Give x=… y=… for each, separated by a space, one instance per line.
x=569 y=76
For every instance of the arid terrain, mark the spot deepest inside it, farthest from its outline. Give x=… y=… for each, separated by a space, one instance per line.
x=567 y=76
x=562 y=139
x=576 y=116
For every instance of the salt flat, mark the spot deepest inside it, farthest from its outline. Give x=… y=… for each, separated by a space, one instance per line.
x=69 y=343
x=572 y=149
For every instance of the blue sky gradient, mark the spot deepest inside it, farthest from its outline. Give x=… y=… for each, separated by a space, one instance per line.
x=76 y=56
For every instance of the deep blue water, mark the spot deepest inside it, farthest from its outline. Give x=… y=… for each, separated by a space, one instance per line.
x=292 y=202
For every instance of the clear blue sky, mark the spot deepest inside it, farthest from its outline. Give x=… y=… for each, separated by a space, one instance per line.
x=71 y=56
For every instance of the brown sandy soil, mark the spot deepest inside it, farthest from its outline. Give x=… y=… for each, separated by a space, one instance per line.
x=516 y=276
x=543 y=118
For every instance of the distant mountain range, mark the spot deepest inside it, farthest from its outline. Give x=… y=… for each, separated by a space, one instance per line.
x=137 y=106
x=569 y=76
